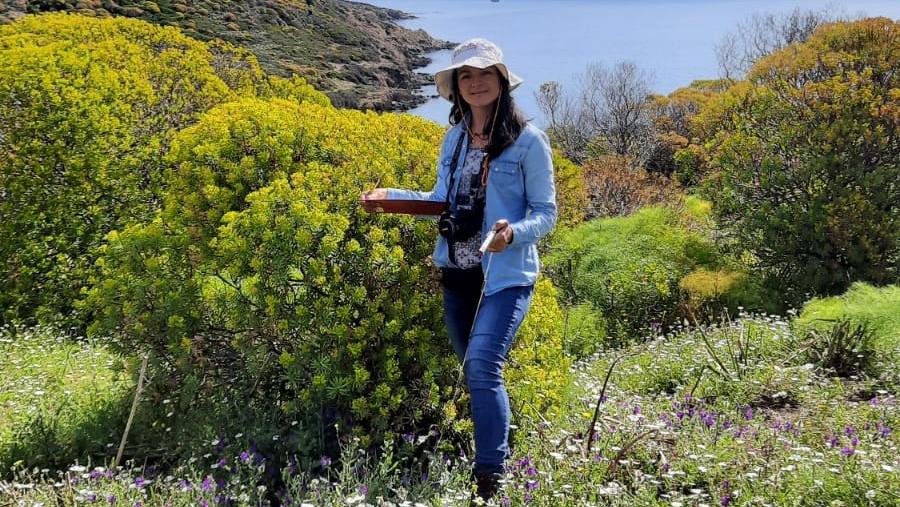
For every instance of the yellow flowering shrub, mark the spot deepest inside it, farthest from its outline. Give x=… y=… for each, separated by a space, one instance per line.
x=88 y=108
x=261 y=260
x=538 y=376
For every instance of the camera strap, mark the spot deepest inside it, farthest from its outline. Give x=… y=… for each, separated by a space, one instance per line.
x=453 y=163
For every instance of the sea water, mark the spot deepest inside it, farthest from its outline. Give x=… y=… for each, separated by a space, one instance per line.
x=554 y=40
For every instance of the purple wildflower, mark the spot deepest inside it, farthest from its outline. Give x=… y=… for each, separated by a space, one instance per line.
x=832 y=441
x=636 y=410
x=532 y=485
x=140 y=482
x=111 y=499
x=91 y=497
x=848 y=451
x=325 y=461
x=95 y=474
x=528 y=497
x=245 y=457
x=748 y=412
x=531 y=471
x=363 y=490
x=409 y=437
x=849 y=430
x=207 y=484
x=726 y=500
x=884 y=430
x=505 y=501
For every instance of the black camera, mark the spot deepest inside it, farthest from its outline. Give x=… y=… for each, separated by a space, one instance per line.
x=465 y=221
x=460 y=226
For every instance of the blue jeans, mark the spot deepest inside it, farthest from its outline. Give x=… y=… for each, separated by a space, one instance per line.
x=496 y=324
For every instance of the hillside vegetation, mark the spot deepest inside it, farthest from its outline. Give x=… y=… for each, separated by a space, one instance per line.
x=731 y=339
x=352 y=51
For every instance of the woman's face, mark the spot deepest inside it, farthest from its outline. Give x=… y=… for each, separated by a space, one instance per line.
x=478 y=87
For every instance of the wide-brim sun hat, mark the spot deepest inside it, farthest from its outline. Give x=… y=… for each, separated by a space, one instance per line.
x=478 y=53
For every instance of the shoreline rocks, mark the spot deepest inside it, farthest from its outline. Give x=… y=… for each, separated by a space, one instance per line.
x=354 y=52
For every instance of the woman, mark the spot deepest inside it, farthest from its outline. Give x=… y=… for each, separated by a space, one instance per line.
x=495 y=172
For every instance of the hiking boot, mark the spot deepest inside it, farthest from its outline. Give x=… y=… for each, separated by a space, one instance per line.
x=487 y=484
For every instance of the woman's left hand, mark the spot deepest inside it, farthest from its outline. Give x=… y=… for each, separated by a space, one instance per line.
x=502 y=238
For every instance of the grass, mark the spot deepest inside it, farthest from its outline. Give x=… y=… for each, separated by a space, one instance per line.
x=725 y=415
x=878 y=307
x=62 y=400
x=872 y=311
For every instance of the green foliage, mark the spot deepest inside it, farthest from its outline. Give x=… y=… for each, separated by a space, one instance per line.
x=855 y=333
x=538 y=372
x=748 y=361
x=571 y=194
x=782 y=435
x=709 y=291
x=845 y=348
x=630 y=268
x=688 y=165
x=804 y=160
x=878 y=308
x=62 y=399
x=88 y=107
x=348 y=50
x=262 y=261
x=585 y=330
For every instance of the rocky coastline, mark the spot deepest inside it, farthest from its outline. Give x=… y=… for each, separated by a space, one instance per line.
x=354 y=52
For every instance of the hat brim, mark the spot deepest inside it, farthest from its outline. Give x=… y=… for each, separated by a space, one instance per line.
x=443 y=79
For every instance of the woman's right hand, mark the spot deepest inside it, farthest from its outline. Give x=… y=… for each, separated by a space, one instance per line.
x=365 y=198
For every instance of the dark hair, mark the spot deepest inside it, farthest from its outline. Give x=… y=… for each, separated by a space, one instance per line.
x=510 y=120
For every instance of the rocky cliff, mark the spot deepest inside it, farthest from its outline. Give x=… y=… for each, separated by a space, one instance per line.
x=352 y=51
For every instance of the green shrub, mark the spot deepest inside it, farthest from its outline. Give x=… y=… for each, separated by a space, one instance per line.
x=876 y=307
x=261 y=262
x=803 y=159
x=584 y=331
x=711 y=292
x=571 y=194
x=88 y=107
x=845 y=349
x=538 y=372
x=863 y=321
x=630 y=267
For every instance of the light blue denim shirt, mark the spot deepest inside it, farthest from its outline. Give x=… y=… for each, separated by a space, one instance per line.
x=520 y=189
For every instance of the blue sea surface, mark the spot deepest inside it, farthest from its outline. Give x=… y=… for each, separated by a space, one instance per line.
x=554 y=40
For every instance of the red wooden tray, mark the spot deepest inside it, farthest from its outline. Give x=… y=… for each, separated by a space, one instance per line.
x=407 y=207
